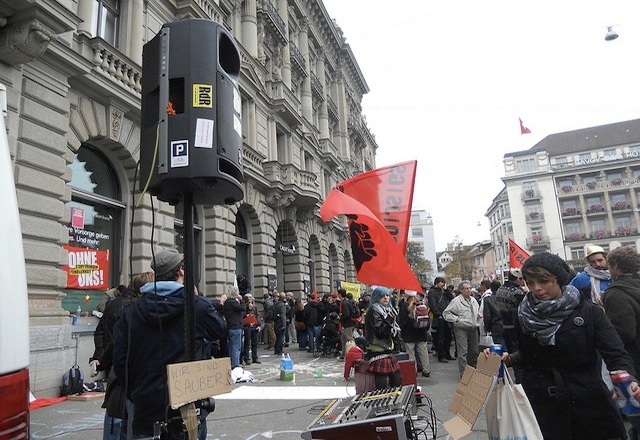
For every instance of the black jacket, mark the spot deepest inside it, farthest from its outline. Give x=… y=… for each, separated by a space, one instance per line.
x=150 y=335
x=234 y=311
x=563 y=381
x=622 y=305
x=438 y=299
x=313 y=314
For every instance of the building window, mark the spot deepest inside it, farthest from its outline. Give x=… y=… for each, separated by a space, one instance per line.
x=178 y=226
x=614 y=175
x=529 y=186
x=507 y=211
x=589 y=180
x=597 y=225
x=565 y=182
x=577 y=253
x=622 y=222
x=610 y=153
x=95 y=230
x=308 y=162
x=561 y=162
x=635 y=150
x=569 y=204
x=584 y=158
x=105 y=20
x=416 y=232
x=283 y=151
x=525 y=165
x=243 y=247
x=573 y=227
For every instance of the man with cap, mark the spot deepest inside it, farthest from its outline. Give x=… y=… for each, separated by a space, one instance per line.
x=150 y=335
x=596 y=277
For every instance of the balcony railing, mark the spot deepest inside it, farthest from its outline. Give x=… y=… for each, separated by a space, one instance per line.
x=537 y=241
x=332 y=108
x=535 y=216
x=316 y=86
x=271 y=12
x=111 y=63
x=531 y=194
x=624 y=231
x=575 y=236
x=570 y=212
x=298 y=59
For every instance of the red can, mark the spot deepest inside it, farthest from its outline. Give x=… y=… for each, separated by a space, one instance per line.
x=627 y=403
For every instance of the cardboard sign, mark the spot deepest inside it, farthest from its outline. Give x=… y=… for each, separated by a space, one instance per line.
x=471 y=394
x=191 y=381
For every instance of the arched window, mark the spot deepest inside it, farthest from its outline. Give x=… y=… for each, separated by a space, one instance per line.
x=94 y=228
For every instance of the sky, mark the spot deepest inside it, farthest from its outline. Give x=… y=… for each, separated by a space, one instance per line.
x=449 y=79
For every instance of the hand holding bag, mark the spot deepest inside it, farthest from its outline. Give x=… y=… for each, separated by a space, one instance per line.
x=509 y=413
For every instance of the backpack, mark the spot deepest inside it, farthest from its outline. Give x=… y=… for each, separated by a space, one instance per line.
x=356 y=315
x=420 y=316
x=72 y=382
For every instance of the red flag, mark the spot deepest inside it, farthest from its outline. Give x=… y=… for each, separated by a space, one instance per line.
x=517 y=255
x=378 y=259
x=523 y=129
x=388 y=193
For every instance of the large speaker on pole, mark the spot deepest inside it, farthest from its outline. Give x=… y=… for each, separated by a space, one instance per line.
x=191 y=139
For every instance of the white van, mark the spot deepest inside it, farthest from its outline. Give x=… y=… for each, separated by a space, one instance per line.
x=14 y=312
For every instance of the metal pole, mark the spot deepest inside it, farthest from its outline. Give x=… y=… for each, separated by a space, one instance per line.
x=189 y=290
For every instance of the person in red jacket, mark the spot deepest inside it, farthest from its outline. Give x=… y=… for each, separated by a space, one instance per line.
x=355 y=353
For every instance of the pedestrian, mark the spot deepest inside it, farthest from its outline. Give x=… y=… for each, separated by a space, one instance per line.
x=596 y=277
x=354 y=354
x=314 y=314
x=279 y=321
x=251 y=328
x=299 y=324
x=414 y=337
x=234 y=310
x=560 y=335
x=622 y=306
x=439 y=298
x=462 y=312
x=150 y=335
x=382 y=332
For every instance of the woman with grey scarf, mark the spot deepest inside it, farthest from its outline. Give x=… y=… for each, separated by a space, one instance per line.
x=560 y=335
x=382 y=332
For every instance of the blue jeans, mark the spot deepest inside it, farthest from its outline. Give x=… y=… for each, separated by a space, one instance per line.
x=111 y=428
x=313 y=333
x=235 y=346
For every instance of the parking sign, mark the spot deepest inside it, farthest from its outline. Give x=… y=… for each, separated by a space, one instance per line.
x=179 y=154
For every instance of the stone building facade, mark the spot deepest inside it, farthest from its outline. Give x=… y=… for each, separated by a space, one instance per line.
x=73 y=73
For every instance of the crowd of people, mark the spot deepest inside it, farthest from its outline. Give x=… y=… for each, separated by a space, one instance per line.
x=561 y=332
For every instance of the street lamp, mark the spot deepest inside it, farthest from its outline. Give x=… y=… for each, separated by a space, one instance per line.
x=611 y=34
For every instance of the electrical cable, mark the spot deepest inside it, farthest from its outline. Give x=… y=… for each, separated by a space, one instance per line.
x=151 y=169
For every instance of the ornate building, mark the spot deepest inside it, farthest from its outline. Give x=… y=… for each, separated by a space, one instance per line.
x=73 y=74
x=571 y=190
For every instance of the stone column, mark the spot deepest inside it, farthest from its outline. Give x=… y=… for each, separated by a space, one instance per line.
x=273 y=138
x=283 y=10
x=252 y=139
x=343 y=111
x=136 y=31
x=323 y=117
x=307 y=101
x=250 y=27
x=85 y=10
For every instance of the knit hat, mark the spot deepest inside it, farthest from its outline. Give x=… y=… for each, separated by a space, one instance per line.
x=552 y=264
x=165 y=261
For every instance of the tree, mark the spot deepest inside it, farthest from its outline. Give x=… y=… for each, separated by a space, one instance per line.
x=461 y=266
x=420 y=266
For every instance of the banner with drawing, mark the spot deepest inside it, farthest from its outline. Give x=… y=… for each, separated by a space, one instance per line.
x=88 y=269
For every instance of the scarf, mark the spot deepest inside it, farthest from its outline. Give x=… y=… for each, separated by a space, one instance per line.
x=542 y=319
x=388 y=314
x=595 y=275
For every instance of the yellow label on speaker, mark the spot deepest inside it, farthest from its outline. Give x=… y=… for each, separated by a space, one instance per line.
x=203 y=95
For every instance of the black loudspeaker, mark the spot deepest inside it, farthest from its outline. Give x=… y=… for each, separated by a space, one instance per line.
x=191 y=138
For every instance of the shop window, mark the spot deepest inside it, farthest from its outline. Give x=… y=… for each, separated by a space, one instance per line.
x=95 y=230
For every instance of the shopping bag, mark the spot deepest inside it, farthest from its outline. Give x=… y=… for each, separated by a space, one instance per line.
x=486 y=341
x=509 y=413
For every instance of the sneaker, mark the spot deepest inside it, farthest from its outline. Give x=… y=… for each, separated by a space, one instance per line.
x=443 y=360
x=426 y=374
x=256 y=361
x=451 y=358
